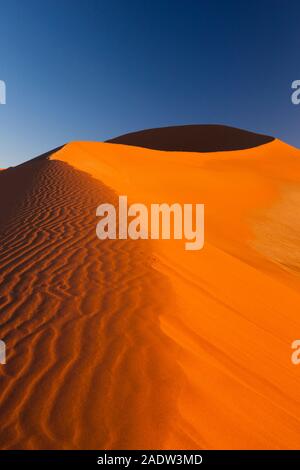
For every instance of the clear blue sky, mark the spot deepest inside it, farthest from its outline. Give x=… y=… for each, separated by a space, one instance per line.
x=93 y=69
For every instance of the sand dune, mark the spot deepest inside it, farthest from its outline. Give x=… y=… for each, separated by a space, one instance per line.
x=141 y=344
x=194 y=138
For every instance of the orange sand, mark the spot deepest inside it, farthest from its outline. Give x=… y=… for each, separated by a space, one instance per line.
x=237 y=309
x=141 y=344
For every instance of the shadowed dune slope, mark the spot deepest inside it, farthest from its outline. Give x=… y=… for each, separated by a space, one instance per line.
x=87 y=364
x=193 y=138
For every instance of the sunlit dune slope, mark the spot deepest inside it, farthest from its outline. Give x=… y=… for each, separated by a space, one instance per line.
x=140 y=343
x=237 y=305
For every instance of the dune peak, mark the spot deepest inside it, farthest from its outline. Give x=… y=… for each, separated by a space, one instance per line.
x=194 y=138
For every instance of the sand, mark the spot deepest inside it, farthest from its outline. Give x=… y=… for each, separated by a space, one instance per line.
x=141 y=344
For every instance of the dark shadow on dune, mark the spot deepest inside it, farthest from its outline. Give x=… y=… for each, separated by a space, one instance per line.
x=15 y=181
x=43 y=155
x=81 y=320
x=194 y=138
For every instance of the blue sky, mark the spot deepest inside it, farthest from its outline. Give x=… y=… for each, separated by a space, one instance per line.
x=91 y=70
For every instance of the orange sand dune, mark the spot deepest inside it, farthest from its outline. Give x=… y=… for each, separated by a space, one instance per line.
x=141 y=344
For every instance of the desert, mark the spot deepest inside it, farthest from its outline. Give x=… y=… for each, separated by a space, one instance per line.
x=126 y=344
